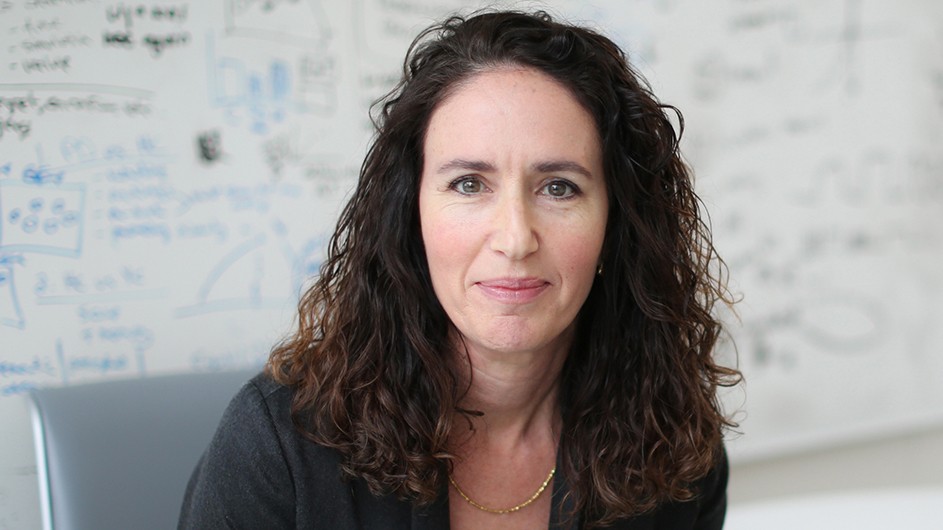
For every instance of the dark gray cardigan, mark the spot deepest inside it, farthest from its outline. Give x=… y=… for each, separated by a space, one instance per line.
x=259 y=472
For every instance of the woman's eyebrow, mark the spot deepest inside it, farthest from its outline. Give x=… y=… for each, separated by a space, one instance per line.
x=562 y=166
x=548 y=166
x=469 y=165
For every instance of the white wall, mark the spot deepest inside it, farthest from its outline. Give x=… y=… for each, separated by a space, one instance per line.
x=898 y=461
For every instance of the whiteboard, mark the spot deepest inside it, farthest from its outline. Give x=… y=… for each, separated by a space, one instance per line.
x=170 y=173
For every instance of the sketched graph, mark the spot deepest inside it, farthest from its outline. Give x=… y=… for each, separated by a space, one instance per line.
x=267 y=91
x=304 y=24
x=208 y=298
x=263 y=272
x=237 y=281
x=303 y=79
x=42 y=219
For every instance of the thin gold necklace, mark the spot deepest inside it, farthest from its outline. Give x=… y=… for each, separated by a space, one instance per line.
x=512 y=509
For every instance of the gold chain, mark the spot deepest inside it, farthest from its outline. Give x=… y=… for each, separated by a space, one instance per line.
x=512 y=509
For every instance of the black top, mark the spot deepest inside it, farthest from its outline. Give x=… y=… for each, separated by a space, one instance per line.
x=260 y=472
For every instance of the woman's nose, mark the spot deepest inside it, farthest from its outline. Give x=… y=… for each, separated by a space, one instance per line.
x=514 y=233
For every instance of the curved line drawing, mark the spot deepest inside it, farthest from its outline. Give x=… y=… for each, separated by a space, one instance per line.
x=225 y=263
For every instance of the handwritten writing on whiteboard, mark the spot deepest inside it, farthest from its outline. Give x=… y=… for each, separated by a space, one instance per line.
x=43 y=45
x=22 y=105
x=825 y=204
x=170 y=172
x=127 y=17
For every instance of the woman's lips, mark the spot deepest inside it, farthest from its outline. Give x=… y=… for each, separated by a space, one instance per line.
x=513 y=290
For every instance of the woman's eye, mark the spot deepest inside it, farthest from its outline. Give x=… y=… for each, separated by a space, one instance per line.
x=467 y=186
x=559 y=189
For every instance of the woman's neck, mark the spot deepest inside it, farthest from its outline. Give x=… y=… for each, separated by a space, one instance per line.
x=517 y=394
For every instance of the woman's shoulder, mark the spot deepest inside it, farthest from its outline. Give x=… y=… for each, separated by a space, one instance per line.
x=259 y=469
x=260 y=395
x=260 y=409
x=261 y=414
x=260 y=388
x=257 y=423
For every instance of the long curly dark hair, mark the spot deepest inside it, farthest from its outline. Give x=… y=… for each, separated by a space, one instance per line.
x=368 y=362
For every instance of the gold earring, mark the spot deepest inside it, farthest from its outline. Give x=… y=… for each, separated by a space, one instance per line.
x=599 y=270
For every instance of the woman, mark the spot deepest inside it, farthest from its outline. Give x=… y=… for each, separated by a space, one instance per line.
x=513 y=327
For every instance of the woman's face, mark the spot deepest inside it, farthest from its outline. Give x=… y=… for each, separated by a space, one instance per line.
x=513 y=208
